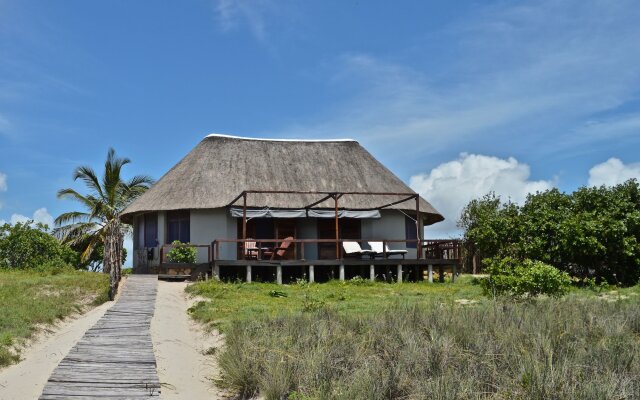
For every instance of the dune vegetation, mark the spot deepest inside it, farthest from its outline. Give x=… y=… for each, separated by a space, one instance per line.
x=361 y=340
x=34 y=299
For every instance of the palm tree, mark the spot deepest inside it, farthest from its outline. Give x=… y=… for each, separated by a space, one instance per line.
x=99 y=223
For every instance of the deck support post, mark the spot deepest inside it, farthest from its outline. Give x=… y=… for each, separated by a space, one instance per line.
x=342 y=272
x=248 y=273
x=455 y=272
x=399 y=273
x=244 y=224
x=440 y=274
x=312 y=274
x=216 y=272
x=279 y=274
x=418 y=229
x=430 y=273
x=335 y=201
x=372 y=272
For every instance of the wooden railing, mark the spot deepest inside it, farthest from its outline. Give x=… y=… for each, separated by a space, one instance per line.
x=447 y=249
x=263 y=245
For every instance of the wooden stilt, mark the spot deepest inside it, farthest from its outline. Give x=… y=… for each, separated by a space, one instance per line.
x=372 y=272
x=312 y=275
x=248 y=273
x=430 y=273
x=441 y=274
x=342 y=272
x=455 y=272
x=399 y=273
x=279 y=274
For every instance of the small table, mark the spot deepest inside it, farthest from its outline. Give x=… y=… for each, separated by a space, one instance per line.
x=258 y=251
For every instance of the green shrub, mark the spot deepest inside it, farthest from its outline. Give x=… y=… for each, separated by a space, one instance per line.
x=510 y=277
x=28 y=246
x=182 y=253
x=593 y=232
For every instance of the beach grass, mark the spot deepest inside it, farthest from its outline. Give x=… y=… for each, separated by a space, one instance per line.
x=34 y=300
x=361 y=340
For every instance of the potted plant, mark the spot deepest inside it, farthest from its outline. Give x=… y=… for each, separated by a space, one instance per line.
x=181 y=253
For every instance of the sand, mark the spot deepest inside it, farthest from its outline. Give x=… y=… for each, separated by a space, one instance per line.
x=25 y=380
x=179 y=343
x=185 y=372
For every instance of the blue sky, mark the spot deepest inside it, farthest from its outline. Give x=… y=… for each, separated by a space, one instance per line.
x=458 y=98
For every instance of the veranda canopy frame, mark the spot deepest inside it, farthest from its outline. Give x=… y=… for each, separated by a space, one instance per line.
x=326 y=195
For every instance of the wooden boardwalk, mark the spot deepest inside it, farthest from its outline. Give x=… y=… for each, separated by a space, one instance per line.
x=114 y=359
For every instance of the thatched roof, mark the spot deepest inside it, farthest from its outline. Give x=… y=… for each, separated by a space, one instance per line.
x=221 y=167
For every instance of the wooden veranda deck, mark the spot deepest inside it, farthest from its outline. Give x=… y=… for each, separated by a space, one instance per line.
x=114 y=359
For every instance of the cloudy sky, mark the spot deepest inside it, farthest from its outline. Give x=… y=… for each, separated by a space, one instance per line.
x=457 y=98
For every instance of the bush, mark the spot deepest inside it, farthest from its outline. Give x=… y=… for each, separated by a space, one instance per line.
x=510 y=277
x=182 y=253
x=593 y=232
x=25 y=246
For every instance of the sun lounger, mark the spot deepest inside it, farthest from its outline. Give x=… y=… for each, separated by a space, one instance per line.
x=353 y=249
x=380 y=251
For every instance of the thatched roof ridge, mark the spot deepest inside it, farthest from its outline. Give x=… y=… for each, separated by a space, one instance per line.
x=221 y=167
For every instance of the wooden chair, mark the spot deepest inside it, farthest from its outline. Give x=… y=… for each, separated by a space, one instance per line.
x=250 y=249
x=281 y=250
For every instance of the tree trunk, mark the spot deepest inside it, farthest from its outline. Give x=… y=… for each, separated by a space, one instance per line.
x=110 y=260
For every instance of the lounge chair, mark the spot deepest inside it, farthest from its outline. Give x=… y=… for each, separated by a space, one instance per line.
x=380 y=251
x=281 y=250
x=353 y=249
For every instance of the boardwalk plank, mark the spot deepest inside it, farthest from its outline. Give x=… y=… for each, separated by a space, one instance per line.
x=114 y=359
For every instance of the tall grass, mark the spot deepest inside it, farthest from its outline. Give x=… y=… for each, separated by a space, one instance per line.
x=30 y=300
x=574 y=348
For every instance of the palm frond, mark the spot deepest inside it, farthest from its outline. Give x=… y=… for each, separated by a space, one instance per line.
x=74 y=233
x=112 y=179
x=88 y=175
x=88 y=201
x=140 y=181
x=93 y=243
x=71 y=217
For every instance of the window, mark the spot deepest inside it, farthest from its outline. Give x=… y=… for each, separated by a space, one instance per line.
x=151 y=230
x=410 y=232
x=349 y=228
x=178 y=226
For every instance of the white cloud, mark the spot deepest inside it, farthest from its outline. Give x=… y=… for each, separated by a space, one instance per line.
x=525 y=74
x=230 y=14
x=3 y=186
x=451 y=185
x=4 y=125
x=612 y=172
x=41 y=215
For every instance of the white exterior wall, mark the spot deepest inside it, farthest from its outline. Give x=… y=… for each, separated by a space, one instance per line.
x=391 y=225
x=208 y=225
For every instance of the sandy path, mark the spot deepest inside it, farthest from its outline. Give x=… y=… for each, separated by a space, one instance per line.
x=26 y=379
x=179 y=344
